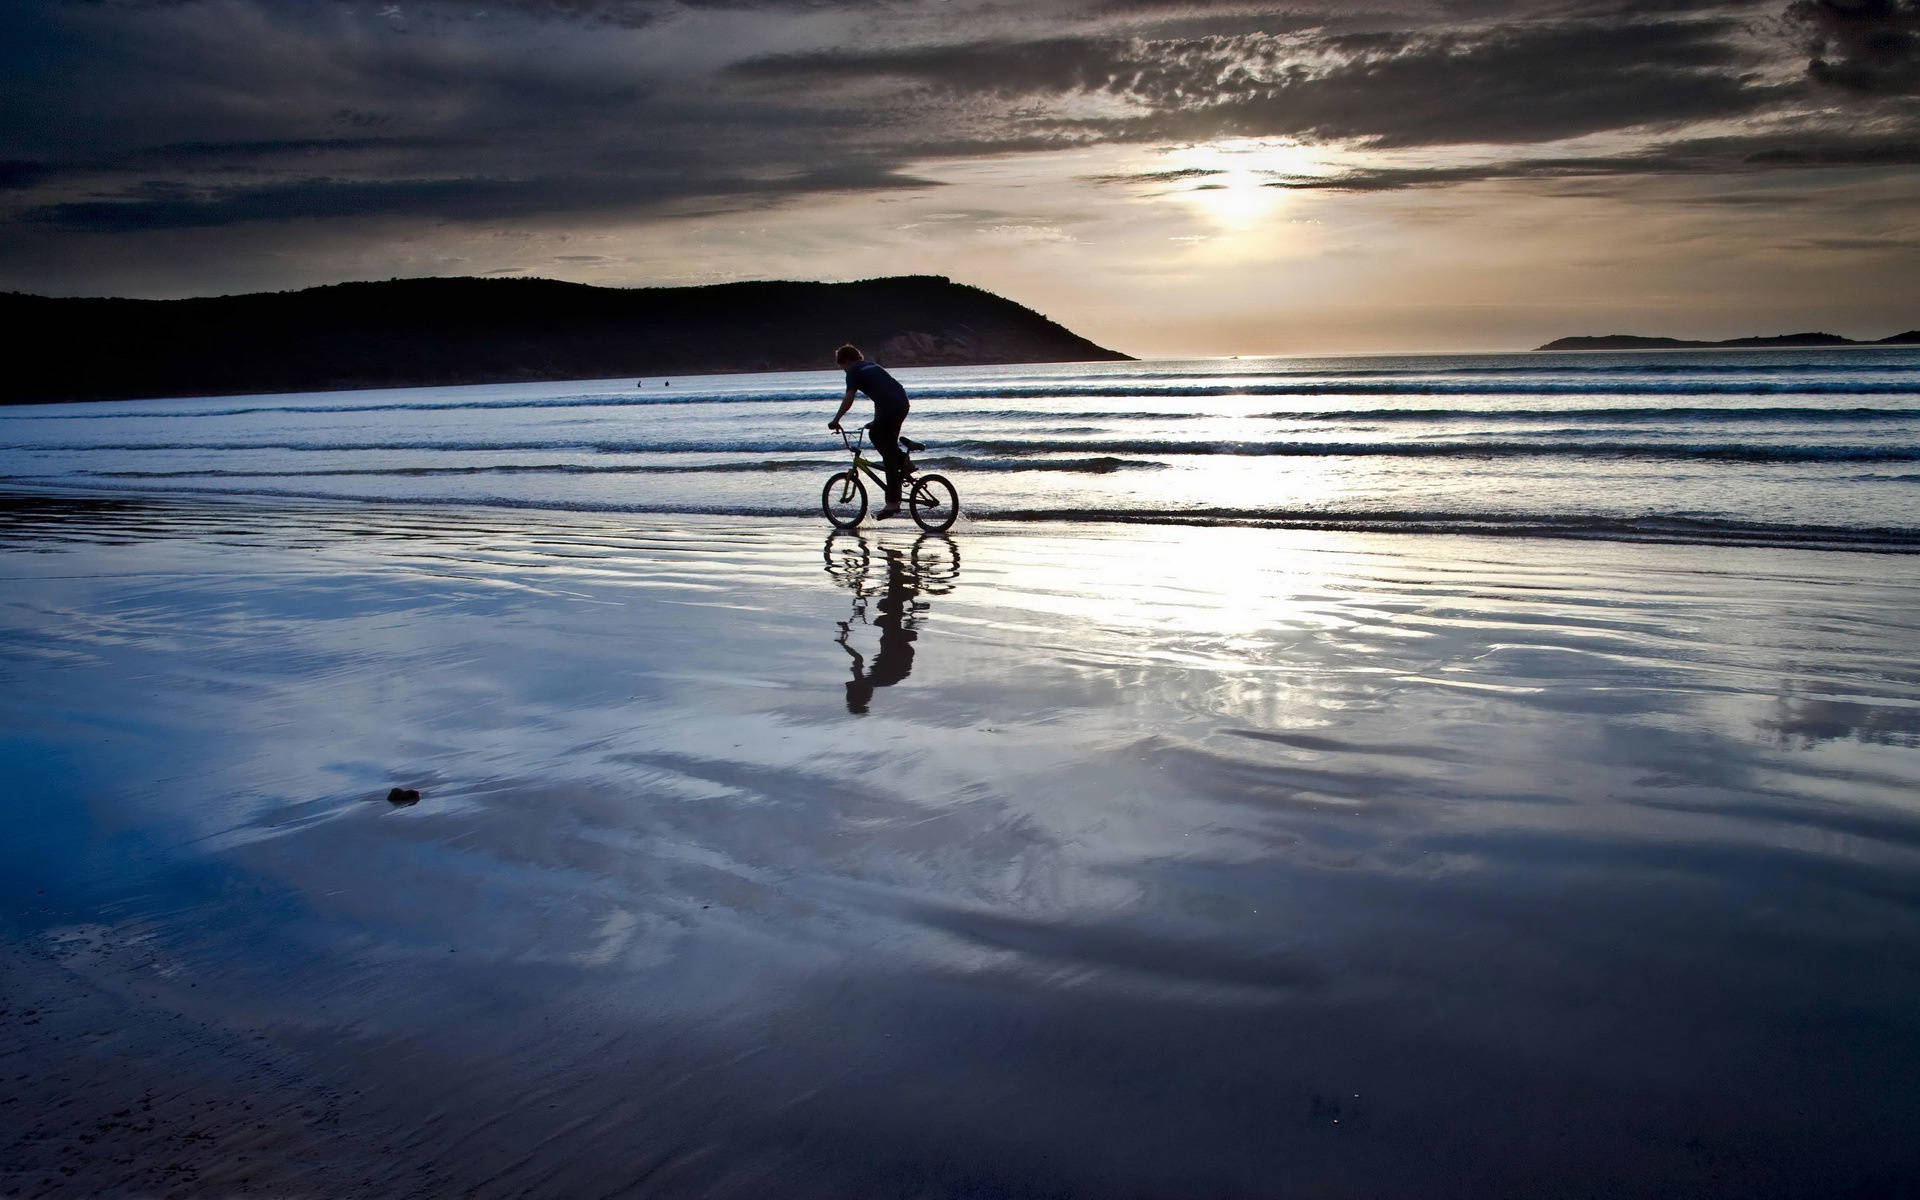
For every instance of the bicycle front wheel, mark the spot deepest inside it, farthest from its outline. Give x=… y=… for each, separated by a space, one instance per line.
x=847 y=556
x=933 y=502
x=844 y=499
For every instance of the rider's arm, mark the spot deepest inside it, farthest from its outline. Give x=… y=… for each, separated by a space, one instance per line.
x=844 y=406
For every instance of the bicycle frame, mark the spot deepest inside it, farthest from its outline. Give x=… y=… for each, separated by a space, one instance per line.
x=855 y=443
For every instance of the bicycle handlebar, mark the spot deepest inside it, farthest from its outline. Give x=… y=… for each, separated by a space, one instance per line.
x=853 y=441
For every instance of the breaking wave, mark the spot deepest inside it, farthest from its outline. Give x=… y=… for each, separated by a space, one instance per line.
x=1028 y=453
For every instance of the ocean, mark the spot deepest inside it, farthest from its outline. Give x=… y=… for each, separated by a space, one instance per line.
x=522 y=790
x=1813 y=448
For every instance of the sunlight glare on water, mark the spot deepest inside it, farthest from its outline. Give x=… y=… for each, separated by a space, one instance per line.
x=1779 y=447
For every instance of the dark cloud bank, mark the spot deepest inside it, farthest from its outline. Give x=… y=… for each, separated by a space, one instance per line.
x=134 y=117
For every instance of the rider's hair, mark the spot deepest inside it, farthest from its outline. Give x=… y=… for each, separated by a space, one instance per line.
x=847 y=353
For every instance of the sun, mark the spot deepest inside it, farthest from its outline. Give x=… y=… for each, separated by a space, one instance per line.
x=1229 y=181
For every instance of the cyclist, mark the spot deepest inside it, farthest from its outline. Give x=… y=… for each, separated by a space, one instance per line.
x=889 y=411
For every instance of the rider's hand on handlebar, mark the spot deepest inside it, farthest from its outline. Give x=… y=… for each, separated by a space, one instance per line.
x=835 y=426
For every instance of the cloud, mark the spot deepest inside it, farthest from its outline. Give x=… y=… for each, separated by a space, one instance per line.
x=334 y=112
x=159 y=204
x=1514 y=82
x=162 y=123
x=21 y=174
x=628 y=14
x=1866 y=245
x=1177 y=175
x=135 y=117
x=1698 y=156
x=1862 y=46
x=1894 y=150
x=229 y=153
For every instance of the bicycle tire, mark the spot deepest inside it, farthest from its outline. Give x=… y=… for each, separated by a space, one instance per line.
x=844 y=499
x=936 y=563
x=933 y=502
x=846 y=556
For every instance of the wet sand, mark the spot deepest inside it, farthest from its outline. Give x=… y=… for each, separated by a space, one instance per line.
x=1033 y=861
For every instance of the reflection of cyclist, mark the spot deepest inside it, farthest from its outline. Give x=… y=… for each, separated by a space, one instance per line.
x=932 y=565
x=894 y=662
x=889 y=411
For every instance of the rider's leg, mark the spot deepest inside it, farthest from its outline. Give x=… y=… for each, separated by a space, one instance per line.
x=885 y=434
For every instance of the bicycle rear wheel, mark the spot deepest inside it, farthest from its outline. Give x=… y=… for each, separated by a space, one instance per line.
x=933 y=502
x=844 y=499
x=936 y=563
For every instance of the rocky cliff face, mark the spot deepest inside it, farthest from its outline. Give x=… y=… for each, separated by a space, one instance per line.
x=917 y=348
x=415 y=332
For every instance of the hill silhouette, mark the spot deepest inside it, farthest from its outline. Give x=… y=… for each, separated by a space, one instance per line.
x=410 y=332
x=1629 y=341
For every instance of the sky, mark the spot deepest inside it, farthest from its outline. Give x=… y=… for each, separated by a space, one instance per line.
x=1169 y=179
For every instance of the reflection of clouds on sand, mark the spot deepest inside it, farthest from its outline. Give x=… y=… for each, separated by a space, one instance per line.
x=1803 y=720
x=1178 y=833
x=1343 y=700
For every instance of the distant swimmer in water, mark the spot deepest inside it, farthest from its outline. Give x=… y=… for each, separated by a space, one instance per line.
x=889 y=412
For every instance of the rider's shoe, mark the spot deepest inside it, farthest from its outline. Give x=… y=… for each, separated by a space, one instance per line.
x=891 y=510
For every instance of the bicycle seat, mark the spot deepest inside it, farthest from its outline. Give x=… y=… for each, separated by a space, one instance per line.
x=912 y=446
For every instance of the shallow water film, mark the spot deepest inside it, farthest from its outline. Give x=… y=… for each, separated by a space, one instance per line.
x=751 y=860
x=1770 y=447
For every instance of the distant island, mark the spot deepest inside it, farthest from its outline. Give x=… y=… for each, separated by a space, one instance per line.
x=1628 y=341
x=421 y=332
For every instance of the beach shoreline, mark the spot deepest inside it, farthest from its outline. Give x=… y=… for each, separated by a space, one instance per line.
x=1041 y=859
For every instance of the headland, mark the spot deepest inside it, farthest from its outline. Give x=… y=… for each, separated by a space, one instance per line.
x=431 y=332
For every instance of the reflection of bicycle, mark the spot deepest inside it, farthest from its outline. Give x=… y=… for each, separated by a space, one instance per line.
x=930 y=498
x=933 y=562
x=888 y=601
x=847 y=556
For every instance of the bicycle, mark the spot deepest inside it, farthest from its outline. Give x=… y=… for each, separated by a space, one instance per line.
x=933 y=562
x=931 y=499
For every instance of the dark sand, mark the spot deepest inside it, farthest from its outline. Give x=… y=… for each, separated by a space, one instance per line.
x=1160 y=862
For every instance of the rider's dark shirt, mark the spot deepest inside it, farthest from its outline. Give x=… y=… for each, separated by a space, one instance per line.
x=889 y=398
